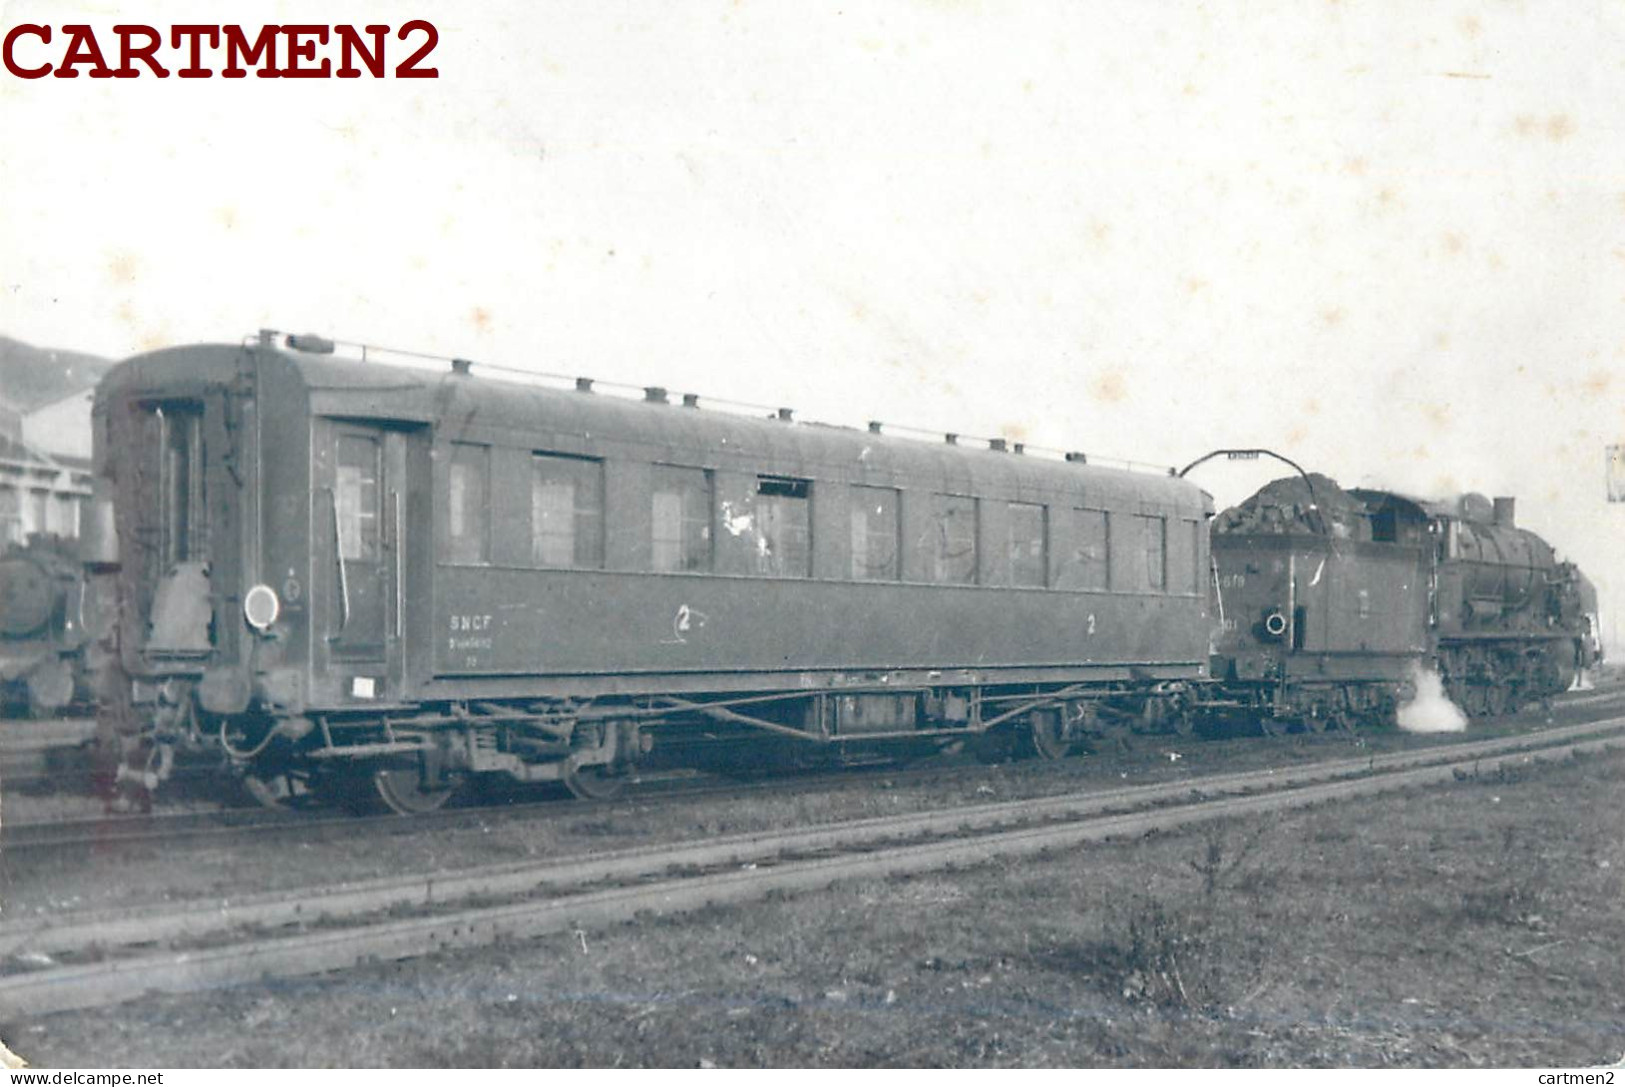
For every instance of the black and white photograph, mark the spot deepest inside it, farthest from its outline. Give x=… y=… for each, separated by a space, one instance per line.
x=739 y=534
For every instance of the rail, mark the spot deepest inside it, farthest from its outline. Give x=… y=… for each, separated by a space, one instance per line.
x=559 y=894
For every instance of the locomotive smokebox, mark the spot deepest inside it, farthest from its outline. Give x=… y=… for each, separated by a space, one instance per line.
x=1504 y=509
x=27 y=598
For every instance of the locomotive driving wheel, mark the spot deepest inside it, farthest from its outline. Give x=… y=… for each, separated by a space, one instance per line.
x=403 y=792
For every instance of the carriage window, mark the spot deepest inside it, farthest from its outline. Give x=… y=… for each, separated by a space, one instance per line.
x=951 y=543
x=1156 y=552
x=1087 y=562
x=1197 y=571
x=1182 y=554
x=783 y=527
x=1029 y=557
x=875 y=532
x=680 y=520
x=467 y=508
x=566 y=511
x=357 y=491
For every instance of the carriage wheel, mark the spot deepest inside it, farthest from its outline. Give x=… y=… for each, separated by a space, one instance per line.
x=1047 y=735
x=590 y=782
x=404 y=793
x=276 y=791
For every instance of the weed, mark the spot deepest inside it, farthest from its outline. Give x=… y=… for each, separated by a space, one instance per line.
x=1516 y=897
x=1150 y=955
x=1212 y=865
x=1157 y=944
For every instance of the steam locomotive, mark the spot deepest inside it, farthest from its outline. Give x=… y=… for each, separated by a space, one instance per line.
x=366 y=580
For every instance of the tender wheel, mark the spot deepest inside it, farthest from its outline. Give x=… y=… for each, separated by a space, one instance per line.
x=402 y=792
x=591 y=782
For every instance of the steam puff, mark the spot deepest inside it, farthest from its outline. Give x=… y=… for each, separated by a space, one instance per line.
x=1430 y=710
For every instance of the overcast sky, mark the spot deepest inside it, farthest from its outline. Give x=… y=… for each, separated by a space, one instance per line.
x=1388 y=243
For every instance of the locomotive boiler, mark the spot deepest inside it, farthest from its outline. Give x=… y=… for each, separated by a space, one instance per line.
x=1510 y=621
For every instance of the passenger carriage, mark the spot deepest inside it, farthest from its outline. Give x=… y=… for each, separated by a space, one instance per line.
x=351 y=575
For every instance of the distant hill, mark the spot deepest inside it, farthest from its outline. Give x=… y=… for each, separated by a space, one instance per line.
x=31 y=376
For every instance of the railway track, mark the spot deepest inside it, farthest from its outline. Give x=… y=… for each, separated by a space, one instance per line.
x=20 y=837
x=91 y=959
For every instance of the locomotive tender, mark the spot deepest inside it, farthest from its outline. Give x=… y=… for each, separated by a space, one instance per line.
x=356 y=577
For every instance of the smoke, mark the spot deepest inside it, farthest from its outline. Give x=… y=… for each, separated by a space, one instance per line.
x=1430 y=710
x=1582 y=681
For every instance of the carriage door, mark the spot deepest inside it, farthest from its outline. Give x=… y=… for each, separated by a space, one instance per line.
x=366 y=513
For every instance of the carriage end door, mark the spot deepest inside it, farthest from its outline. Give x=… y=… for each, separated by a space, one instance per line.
x=366 y=503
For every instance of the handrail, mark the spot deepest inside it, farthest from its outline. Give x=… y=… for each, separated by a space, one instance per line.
x=400 y=562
